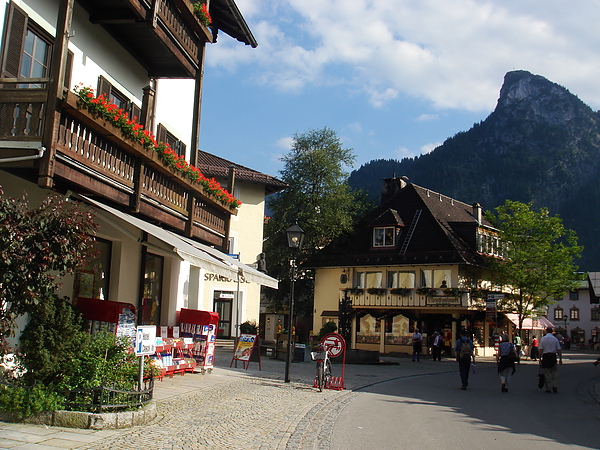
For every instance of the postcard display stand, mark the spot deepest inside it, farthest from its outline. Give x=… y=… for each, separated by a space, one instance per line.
x=105 y=315
x=173 y=355
x=201 y=328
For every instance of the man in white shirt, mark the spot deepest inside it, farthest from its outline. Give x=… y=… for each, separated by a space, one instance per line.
x=549 y=349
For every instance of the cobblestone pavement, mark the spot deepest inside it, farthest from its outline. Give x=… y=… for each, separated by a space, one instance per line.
x=233 y=408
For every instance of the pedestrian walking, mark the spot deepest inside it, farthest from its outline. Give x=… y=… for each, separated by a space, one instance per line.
x=549 y=351
x=535 y=351
x=517 y=343
x=437 y=343
x=417 y=343
x=505 y=359
x=464 y=350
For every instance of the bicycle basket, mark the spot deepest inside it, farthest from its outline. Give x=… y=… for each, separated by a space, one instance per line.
x=316 y=356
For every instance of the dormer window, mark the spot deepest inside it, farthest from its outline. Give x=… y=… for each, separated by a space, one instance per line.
x=384 y=237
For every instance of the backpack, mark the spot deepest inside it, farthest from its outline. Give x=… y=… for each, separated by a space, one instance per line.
x=466 y=351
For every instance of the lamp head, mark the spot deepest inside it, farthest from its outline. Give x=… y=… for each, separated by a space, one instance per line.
x=295 y=236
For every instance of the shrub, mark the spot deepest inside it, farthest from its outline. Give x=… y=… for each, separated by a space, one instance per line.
x=329 y=327
x=249 y=327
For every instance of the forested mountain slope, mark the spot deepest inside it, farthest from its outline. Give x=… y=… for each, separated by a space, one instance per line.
x=541 y=144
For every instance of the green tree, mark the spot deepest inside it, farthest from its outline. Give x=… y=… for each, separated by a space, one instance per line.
x=539 y=258
x=37 y=246
x=318 y=199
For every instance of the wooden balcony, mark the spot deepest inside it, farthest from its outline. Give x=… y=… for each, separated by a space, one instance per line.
x=163 y=35
x=411 y=298
x=92 y=157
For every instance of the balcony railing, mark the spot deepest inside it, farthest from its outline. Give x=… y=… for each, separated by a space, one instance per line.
x=408 y=298
x=22 y=103
x=92 y=154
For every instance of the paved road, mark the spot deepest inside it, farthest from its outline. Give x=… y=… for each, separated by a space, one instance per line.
x=252 y=409
x=431 y=412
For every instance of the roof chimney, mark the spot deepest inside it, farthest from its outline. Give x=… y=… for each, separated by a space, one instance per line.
x=477 y=212
x=391 y=186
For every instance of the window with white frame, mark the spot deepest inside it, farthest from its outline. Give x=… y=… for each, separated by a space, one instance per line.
x=574 y=313
x=436 y=278
x=401 y=279
x=366 y=280
x=558 y=313
x=384 y=237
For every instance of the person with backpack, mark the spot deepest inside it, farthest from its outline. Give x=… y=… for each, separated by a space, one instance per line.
x=505 y=359
x=465 y=356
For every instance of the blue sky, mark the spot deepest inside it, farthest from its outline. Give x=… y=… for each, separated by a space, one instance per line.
x=392 y=78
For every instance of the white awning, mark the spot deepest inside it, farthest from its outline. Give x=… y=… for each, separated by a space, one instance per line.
x=249 y=273
x=195 y=253
x=530 y=324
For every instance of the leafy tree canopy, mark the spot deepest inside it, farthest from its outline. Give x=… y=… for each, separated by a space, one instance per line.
x=36 y=247
x=318 y=199
x=539 y=257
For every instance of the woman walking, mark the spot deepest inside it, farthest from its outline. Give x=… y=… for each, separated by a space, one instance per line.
x=535 y=349
x=505 y=358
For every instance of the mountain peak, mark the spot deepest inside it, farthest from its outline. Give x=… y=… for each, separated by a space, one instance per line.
x=536 y=98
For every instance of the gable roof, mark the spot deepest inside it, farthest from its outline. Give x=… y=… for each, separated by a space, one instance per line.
x=437 y=230
x=215 y=166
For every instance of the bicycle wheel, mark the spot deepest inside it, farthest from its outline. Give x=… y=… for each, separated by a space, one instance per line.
x=320 y=376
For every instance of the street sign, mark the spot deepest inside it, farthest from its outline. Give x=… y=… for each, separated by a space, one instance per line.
x=145 y=340
x=334 y=343
x=492 y=297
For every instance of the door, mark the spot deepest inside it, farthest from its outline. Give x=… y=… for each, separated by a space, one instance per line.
x=223 y=306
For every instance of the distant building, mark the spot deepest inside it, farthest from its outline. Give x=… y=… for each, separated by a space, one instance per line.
x=577 y=314
x=415 y=261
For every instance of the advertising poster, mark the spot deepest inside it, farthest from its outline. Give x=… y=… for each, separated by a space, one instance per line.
x=244 y=348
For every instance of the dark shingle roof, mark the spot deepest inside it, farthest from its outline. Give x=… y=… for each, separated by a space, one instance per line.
x=215 y=166
x=445 y=233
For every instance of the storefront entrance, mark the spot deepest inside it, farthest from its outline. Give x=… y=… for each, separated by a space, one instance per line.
x=223 y=302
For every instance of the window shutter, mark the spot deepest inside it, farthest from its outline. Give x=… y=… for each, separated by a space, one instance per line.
x=161 y=133
x=135 y=112
x=14 y=39
x=68 y=70
x=104 y=87
x=181 y=148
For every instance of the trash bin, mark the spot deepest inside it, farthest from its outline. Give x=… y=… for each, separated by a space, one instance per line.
x=300 y=352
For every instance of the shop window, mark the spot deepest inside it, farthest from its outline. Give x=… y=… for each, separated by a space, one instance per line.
x=399 y=279
x=152 y=290
x=595 y=316
x=574 y=295
x=384 y=237
x=368 y=330
x=574 y=313
x=558 y=313
x=397 y=330
x=92 y=281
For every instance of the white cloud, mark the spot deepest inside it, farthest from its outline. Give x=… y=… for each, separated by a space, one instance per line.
x=285 y=143
x=450 y=54
x=427 y=117
x=429 y=147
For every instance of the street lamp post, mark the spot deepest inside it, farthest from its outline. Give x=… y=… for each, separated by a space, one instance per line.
x=295 y=236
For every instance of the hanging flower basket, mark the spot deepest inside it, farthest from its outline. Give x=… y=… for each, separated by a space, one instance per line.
x=202 y=14
x=111 y=113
